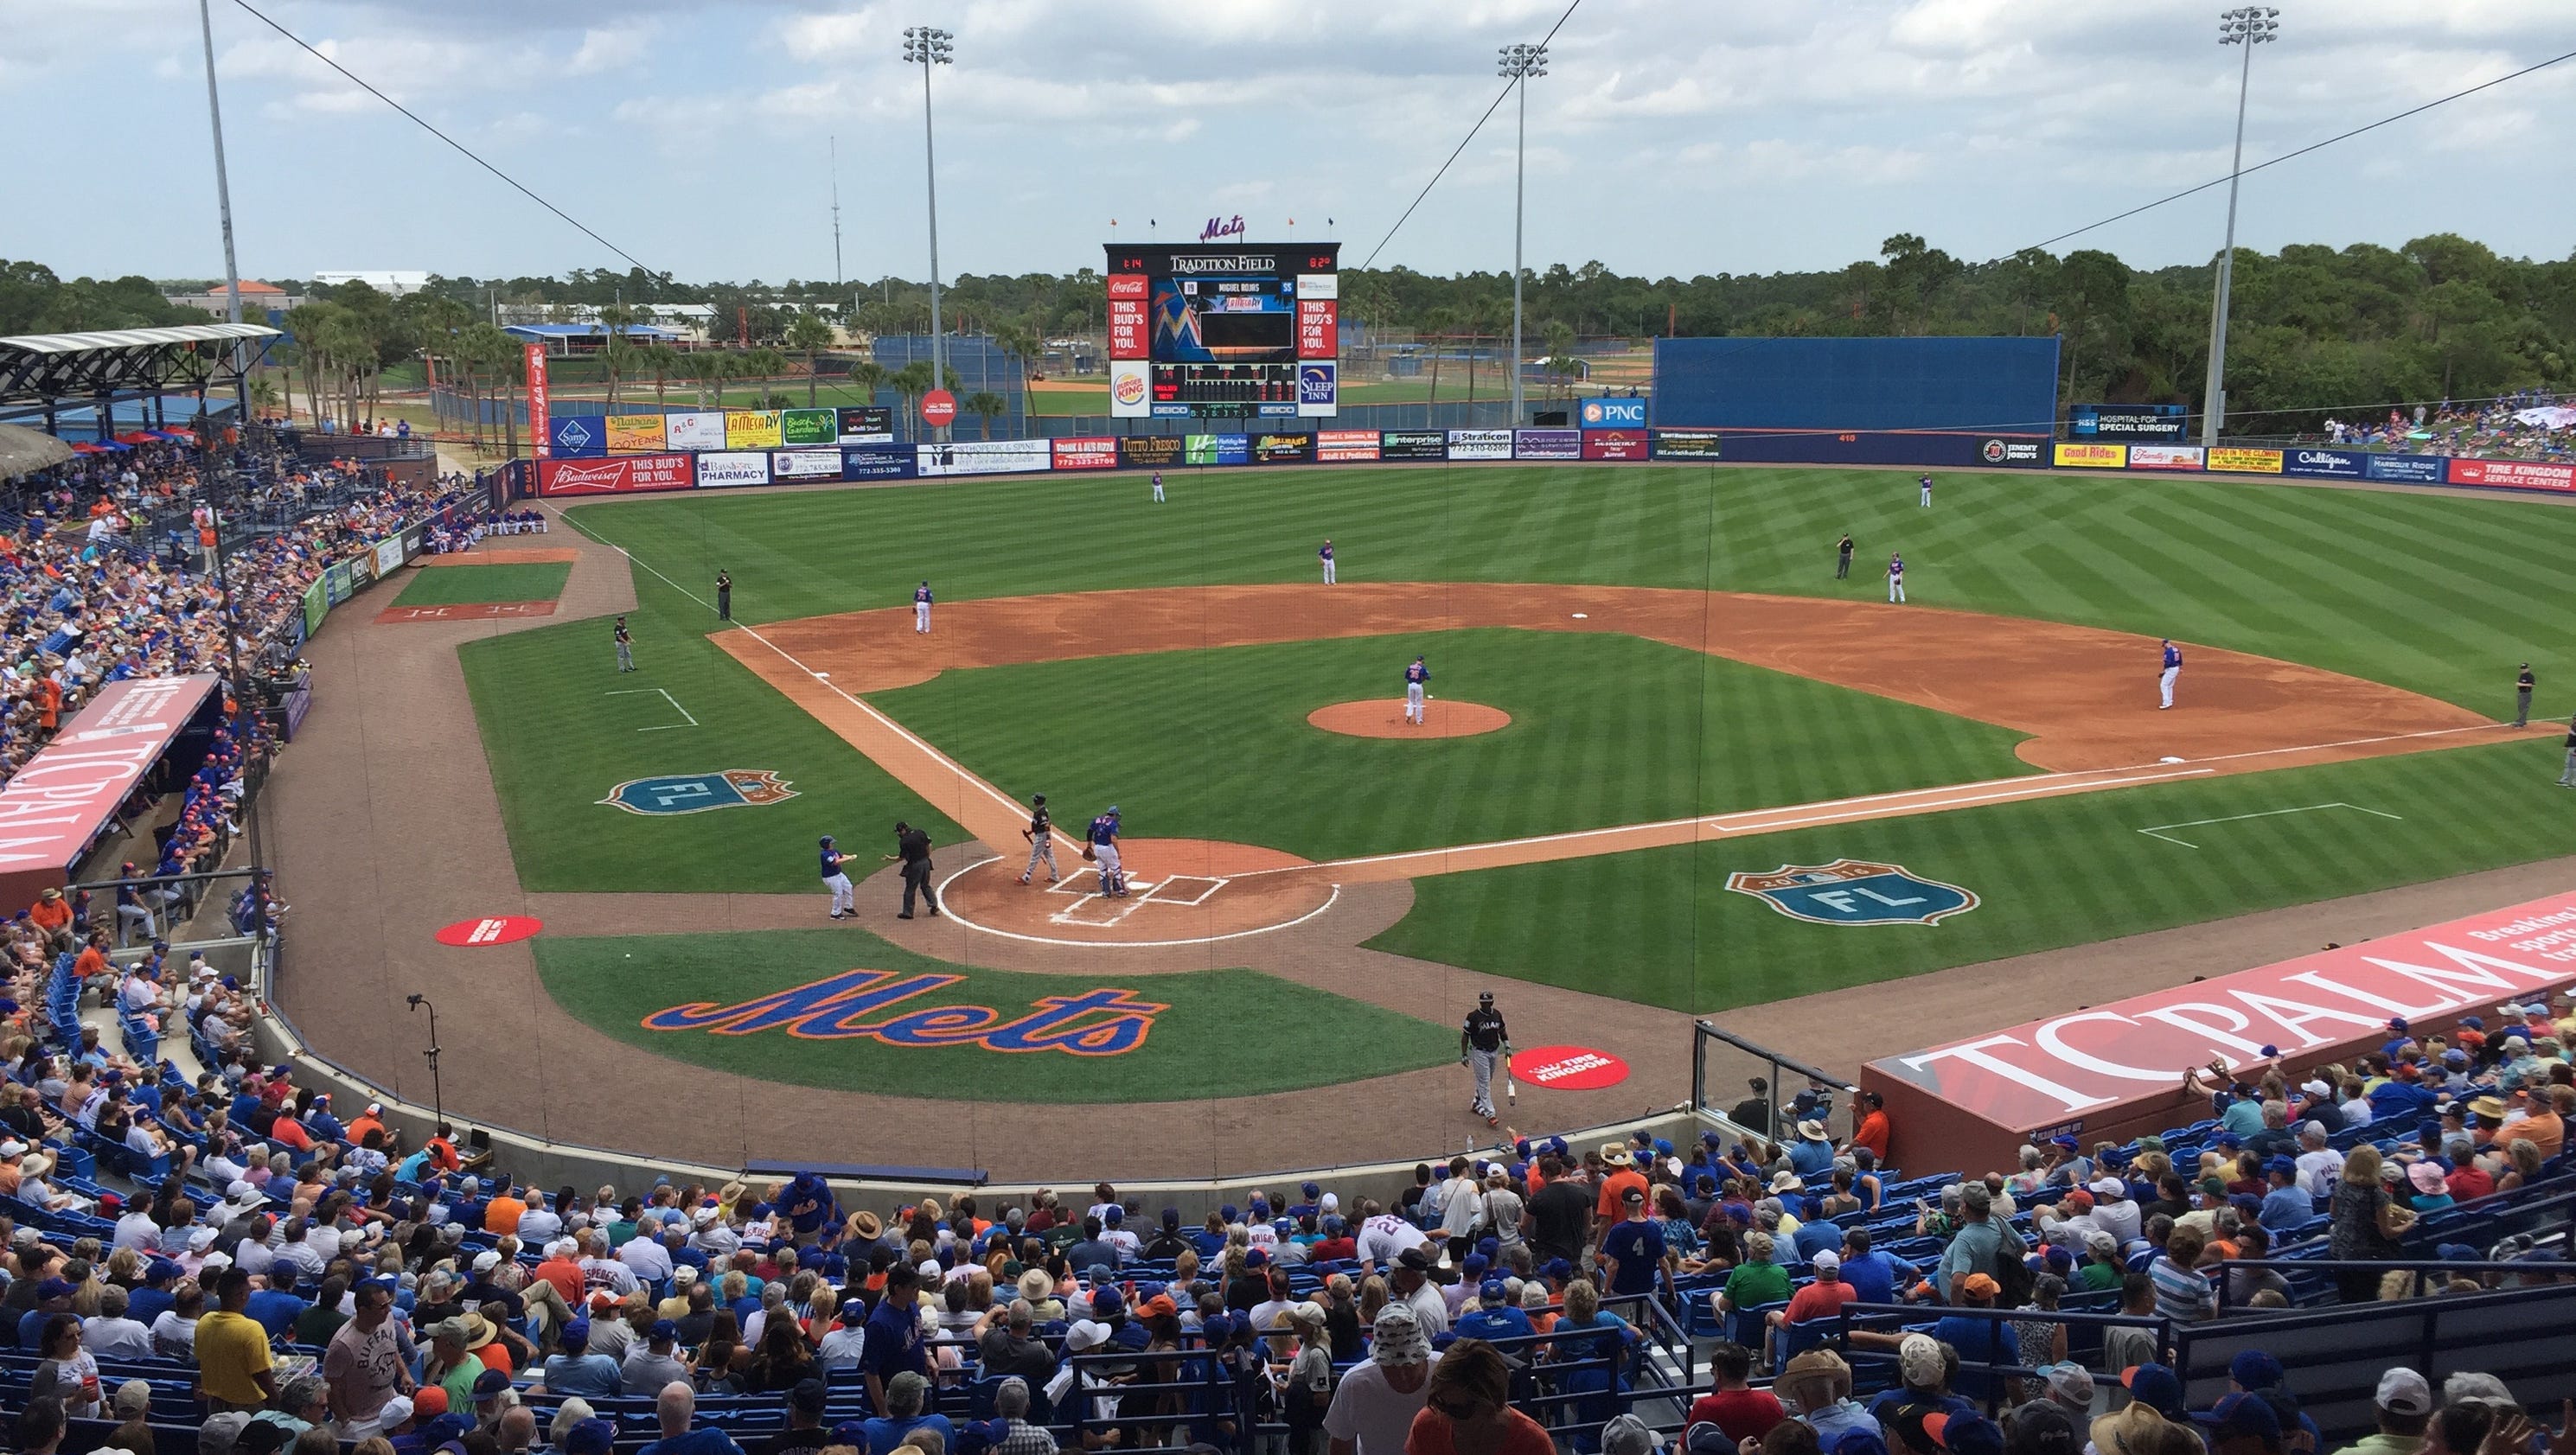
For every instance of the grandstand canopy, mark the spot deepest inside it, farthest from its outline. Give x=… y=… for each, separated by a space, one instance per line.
x=40 y=368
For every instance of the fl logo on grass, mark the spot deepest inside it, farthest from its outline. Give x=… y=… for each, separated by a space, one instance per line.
x=698 y=792
x=1854 y=892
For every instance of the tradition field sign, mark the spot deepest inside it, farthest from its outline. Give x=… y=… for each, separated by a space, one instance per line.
x=2436 y=596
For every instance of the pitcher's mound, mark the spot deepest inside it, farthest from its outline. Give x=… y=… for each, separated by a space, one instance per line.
x=1385 y=719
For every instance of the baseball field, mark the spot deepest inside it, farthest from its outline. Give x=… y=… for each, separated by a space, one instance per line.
x=1690 y=694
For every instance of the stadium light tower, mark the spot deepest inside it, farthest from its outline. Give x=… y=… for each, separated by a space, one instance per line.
x=926 y=47
x=224 y=211
x=1520 y=63
x=2247 y=26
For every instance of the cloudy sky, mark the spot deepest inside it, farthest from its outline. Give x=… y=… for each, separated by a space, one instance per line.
x=1672 y=137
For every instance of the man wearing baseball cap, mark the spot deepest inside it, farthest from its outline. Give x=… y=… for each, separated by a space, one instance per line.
x=1373 y=1409
x=2403 y=1408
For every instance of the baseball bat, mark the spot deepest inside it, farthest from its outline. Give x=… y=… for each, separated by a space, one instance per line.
x=1511 y=1088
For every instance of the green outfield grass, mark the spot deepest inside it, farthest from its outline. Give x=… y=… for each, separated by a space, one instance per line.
x=1659 y=925
x=614 y=983
x=1605 y=730
x=559 y=742
x=463 y=585
x=2436 y=594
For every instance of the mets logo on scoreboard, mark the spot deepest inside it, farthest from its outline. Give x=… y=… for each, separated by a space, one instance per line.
x=698 y=792
x=1854 y=892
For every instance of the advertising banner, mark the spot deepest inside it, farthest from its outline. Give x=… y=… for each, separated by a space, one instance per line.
x=636 y=434
x=818 y=464
x=753 y=429
x=60 y=799
x=389 y=557
x=621 y=475
x=317 y=605
x=1686 y=444
x=2164 y=457
x=1413 y=444
x=1283 y=449
x=1318 y=328
x=577 y=436
x=2245 y=462
x=1128 y=295
x=733 y=467
x=1996 y=450
x=876 y=462
x=1318 y=388
x=1616 y=444
x=2514 y=474
x=1345 y=446
x=1149 y=451
x=810 y=427
x=2326 y=464
x=1131 y=394
x=2107 y=1065
x=1612 y=412
x=694 y=429
x=1480 y=444
x=2406 y=469
x=2091 y=457
x=335 y=582
x=2169 y=422
x=1547 y=444
x=1086 y=452
x=985 y=457
x=1217 y=449
x=864 y=424
x=540 y=401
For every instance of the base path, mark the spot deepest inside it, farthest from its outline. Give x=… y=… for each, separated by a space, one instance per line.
x=2086 y=696
x=1440 y=719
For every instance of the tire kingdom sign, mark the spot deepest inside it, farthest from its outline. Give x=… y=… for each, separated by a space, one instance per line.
x=938 y=408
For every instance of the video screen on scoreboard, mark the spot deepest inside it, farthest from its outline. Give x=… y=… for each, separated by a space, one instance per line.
x=1220 y=331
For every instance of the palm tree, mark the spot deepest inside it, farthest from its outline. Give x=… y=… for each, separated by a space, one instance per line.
x=984 y=404
x=911 y=382
x=867 y=376
x=1020 y=340
x=764 y=364
x=707 y=369
x=1435 y=327
x=1476 y=317
x=809 y=335
x=488 y=356
x=660 y=360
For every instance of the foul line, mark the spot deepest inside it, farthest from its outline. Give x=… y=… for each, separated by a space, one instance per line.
x=666 y=697
x=2158 y=832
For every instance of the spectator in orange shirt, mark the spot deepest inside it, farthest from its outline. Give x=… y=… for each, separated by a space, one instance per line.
x=370 y=1120
x=1609 y=1205
x=1873 y=1130
x=53 y=915
x=441 y=1148
x=502 y=1213
x=2546 y=1127
x=93 y=956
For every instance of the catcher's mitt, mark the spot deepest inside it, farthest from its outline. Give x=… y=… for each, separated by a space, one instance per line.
x=1087 y=853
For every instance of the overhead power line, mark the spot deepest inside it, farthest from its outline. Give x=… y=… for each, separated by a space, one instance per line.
x=1462 y=144
x=462 y=150
x=2310 y=147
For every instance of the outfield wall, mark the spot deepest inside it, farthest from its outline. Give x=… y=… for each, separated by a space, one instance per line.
x=1984 y=385
x=1620 y=436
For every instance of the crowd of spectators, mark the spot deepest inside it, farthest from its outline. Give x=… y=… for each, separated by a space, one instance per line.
x=315 y=1276
x=2530 y=425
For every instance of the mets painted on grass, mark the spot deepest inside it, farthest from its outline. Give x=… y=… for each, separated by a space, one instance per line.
x=1103 y=1022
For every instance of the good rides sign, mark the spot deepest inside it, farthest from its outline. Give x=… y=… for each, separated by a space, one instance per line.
x=861 y=1005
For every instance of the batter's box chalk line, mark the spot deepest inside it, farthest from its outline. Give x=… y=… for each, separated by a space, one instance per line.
x=2160 y=830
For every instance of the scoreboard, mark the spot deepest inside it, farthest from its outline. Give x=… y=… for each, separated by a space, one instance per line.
x=1205 y=331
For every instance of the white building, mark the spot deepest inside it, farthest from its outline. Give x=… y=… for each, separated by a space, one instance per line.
x=396 y=281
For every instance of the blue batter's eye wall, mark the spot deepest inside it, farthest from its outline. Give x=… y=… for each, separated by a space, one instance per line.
x=1973 y=385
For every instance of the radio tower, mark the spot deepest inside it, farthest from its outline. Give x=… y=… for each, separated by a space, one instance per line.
x=835 y=143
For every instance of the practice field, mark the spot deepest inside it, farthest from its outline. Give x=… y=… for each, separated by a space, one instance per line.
x=1200 y=1029
x=2436 y=596
x=473 y=585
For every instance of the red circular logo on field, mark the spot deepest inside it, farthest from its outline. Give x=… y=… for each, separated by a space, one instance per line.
x=1568 y=1068
x=498 y=929
x=938 y=407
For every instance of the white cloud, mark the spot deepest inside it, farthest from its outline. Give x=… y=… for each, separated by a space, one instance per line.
x=612 y=50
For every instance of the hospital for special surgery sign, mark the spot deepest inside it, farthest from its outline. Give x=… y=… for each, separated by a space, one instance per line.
x=2047 y=1071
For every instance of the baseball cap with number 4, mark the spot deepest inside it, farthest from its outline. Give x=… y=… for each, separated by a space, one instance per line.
x=2404 y=1392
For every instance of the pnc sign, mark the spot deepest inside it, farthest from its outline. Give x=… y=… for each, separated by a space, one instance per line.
x=865 y=1005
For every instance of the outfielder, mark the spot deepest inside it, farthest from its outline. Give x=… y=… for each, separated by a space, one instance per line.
x=1926 y=483
x=1158 y=487
x=1483 y=1041
x=1103 y=851
x=1415 y=677
x=2522 y=684
x=2172 y=669
x=625 y=647
x=1896 y=578
x=1041 y=836
x=1326 y=556
x=845 y=902
x=921 y=608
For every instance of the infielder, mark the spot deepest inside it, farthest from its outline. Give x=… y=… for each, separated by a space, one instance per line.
x=1041 y=836
x=921 y=608
x=1158 y=487
x=2522 y=684
x=1326 y=556
x=1842 y=556
x=625 y=647
x=1926 y=483
x=1896 y=578
x=1103 y=839
x=845 y=903
x=1415 y=677
x=724 y=595
x=2165 y=678
x=1482 y=1043
x=2567 y=776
